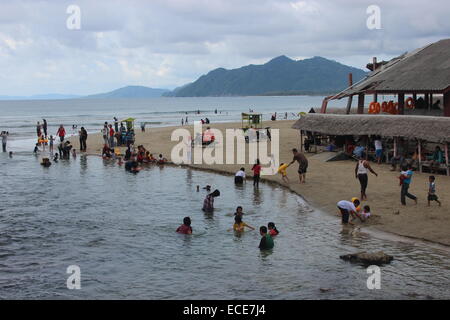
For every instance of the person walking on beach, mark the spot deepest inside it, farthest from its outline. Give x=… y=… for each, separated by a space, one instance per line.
x=44 y=126
x=303 y=164
x=361 y=174
x=405 y=182
x=61 y=133
x=4 y=136
x=83 y=138
x=432 y=191
x=256 y=173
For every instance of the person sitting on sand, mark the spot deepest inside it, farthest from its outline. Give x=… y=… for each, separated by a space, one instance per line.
x=239 y=212
x=282 y=170
x=208 y=203
x=239 y=178
x=266 y=242
x=185 y=228
x=365 y=214
x=273 y=231
x=347 y=208
x=240 y=225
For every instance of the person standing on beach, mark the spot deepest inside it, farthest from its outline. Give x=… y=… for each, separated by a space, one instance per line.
x=44 y=127
x=38 y=130
x=83 y=138
x=50 y=142
x=4 y=136
x=111 y=136
x=256 y=173
x=116 y=124
x=105 y=133
x=361 y=174
x=303 y=164
x=378 y=149
x=405 y=181
x=61 y=133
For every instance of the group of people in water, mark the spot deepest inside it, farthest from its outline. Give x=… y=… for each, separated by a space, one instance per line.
x=267 y=233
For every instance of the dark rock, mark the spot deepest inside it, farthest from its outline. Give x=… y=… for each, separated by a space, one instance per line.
x=376 y=258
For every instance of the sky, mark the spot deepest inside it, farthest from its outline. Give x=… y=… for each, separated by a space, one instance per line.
x=168 y=43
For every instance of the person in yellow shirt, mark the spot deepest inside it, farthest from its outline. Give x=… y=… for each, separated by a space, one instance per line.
x=282 y=171
x=240 y=225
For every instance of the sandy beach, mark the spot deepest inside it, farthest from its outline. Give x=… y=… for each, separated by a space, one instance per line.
x=329 y=182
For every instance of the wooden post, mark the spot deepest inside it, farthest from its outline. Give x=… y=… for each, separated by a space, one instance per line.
x=414 y=97
x=361 y=103
x=401 y=103
x=431 y=101
x=427 y=100
x=447 y=104
x=395 y=147
x=350 y=98
x=419 y=147
x=446 y=157
x=301 y=140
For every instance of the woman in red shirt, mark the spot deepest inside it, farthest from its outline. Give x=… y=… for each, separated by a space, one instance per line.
x=185 y=228
x=256 y=173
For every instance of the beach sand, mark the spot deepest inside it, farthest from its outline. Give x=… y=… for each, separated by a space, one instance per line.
x=329 y=182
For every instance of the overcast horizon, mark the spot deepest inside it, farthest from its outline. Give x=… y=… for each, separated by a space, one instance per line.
x=168 y=43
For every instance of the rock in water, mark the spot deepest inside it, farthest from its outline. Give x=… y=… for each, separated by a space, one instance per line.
x=376 y=258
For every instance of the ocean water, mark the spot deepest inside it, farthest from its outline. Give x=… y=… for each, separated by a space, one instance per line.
x=20 y=117
x=119 y=228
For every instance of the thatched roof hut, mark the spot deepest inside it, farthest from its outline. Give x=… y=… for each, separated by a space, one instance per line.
x=434 y=129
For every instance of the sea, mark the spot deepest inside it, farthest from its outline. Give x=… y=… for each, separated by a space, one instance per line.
x=118 y=228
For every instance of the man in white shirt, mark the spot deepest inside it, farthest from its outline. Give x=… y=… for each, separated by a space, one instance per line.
x=378 y=150
x=347 y=208
x=239 y=178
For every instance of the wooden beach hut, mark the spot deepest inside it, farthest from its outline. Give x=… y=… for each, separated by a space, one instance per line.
x=423 y=72
x=419 y=129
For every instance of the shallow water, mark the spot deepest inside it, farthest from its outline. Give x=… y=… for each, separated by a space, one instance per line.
x=120 y=229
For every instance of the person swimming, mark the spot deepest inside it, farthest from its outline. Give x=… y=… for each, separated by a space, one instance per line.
x=273 y=231
x=266 y=242
x=240 y=225
x=185 y=228
x=46 y=162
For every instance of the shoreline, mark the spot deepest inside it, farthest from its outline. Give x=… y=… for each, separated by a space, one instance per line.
x=337 y=178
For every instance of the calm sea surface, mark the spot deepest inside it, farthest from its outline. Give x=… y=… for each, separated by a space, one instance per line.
x=119 y=228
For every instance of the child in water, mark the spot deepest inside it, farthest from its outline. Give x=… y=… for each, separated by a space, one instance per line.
x=185 y=228
x=239 y=212
x=240 y=225
x=282 y=171
x=273 y=231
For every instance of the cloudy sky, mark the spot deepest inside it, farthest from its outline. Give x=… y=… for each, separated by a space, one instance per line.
x=167 y=43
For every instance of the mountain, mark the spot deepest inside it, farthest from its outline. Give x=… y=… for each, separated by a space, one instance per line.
x=130 y=92
x=279 y=76
x=51 y=96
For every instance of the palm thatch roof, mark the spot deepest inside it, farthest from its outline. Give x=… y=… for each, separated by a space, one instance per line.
x=425 y=70
x=434 y=129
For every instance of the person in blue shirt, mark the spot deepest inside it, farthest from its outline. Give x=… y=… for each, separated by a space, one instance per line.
x=406 y=182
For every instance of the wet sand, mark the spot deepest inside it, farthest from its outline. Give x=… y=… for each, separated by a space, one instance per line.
x=329 y=182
